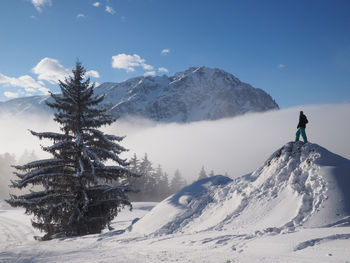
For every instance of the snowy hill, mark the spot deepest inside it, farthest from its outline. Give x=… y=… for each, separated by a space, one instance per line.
x=294 y=208
x=298 y=186
x=199 y=93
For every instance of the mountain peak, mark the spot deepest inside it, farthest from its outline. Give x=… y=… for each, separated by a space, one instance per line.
x=198 y=93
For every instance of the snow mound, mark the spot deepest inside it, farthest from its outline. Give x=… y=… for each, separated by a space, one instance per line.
x=300 y=185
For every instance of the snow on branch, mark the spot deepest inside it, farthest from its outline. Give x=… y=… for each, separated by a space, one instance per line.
x=33 y=201
x=113 y=157
x=37 y=164
x=94 y=156
x=41 y=171
x=51 y=135
x=57 y=145
x=37 y=178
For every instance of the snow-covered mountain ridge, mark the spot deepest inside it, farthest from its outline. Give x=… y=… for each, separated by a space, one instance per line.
x=300 y=185
x=199 y=93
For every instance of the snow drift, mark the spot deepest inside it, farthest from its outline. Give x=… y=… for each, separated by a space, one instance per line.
x=300 y=185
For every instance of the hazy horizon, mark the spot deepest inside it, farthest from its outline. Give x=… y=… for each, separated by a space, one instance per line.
x=235 y=146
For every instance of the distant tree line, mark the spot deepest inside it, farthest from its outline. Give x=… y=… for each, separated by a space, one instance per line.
x=154 y=183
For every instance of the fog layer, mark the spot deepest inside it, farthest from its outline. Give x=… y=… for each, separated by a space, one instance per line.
x=235 y=146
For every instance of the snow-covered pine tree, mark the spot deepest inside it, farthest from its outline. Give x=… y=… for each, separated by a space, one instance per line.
x=77 y=196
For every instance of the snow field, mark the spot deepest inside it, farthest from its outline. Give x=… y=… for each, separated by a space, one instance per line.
x=294 y=208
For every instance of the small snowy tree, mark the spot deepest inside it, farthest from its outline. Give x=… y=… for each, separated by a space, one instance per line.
x=202 y=174
x=78 y=193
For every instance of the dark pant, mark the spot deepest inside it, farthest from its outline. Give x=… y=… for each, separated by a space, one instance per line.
x=302 y=131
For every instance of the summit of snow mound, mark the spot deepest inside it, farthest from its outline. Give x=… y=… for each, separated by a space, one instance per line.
x=300 y=185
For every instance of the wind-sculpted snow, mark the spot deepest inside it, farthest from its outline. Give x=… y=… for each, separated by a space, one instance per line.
x=294 y=208
x=300 y=185
x=182 y=208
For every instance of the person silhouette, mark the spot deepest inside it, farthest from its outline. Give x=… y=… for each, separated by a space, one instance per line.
x=301 y=127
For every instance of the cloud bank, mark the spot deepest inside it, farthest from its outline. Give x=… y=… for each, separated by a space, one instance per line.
x=235 y=145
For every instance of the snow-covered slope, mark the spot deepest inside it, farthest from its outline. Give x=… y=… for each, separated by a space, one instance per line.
x=300 y=185
x=199 y=93
x=295 y=208
x=34 y=105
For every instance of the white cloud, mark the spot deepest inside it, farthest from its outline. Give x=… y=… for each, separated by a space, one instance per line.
x=92 y=73
x=81 y=16
x=129 y=62
x=163 y=70
x=281 y=66
x=11 y=95
x=110 y=10
x=26 y=82
x=47 y=69
x=38 y=4
x=147 y=67
x=96 y=4
x=149 y=73
x=51 y=70
x=165 y=51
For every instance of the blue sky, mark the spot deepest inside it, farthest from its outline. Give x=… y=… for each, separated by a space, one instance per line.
x=298 y=51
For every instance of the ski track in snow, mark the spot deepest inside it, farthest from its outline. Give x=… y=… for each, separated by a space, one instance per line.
x=14 y=231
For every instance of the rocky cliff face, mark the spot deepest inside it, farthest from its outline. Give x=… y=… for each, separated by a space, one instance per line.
x=199 y=93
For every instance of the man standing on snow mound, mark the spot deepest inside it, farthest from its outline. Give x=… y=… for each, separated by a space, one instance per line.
x=301 y=127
